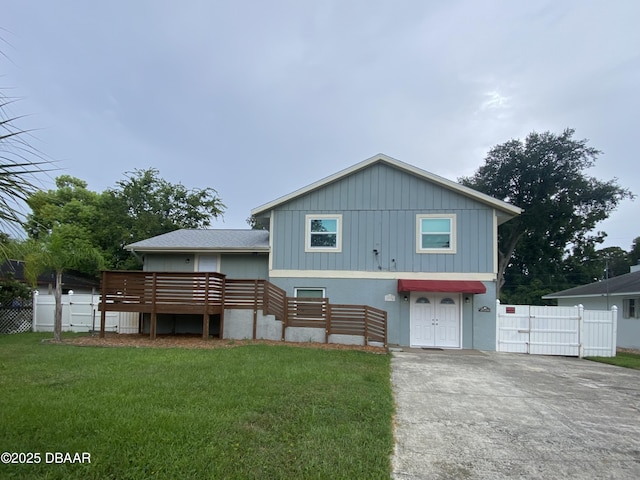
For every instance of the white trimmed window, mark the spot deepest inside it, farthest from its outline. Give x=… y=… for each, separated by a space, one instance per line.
x=436 y=233
x=631 y=308
x=323 y=233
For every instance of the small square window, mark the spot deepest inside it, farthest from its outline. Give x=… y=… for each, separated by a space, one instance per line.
x=435 y=233
x=323 y=233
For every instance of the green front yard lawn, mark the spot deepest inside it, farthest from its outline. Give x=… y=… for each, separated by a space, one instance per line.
x=251 y=411
x=622 y=359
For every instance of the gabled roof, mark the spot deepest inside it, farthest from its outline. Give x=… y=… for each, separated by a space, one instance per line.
x=187 y=240
x=506 y=211
x=627 y=284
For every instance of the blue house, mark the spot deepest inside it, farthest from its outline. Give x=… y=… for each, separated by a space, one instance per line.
x=622 y=292
x=381 y=233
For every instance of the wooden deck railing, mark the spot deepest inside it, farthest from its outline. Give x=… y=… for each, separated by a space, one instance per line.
x=360 y=320
x=244 y=294
x=307 y=312
x=209 y=293
x=275 y=301
x=162 y=292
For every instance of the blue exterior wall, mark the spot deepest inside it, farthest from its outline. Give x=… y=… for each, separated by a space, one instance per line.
x=235 y=265
x=379 y=206
x=478 y=329
x=168 y=262
x=628 y=335
x=483 y=328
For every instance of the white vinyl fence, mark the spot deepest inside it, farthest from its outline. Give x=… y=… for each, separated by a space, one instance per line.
x=567 y=331
x=79 y=314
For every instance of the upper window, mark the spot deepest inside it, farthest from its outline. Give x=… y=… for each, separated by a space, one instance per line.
x=436 y=233
x=323 y=233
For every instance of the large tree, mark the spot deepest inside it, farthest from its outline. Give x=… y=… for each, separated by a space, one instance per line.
x=546 y=175
x=154 y=206
x=140 y=206
x=144 y=205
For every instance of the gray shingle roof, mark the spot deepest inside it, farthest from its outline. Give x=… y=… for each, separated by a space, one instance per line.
x=626 y=284
x=181 y=240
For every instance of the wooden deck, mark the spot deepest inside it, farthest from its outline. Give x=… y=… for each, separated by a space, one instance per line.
x=210 y=293
x=162 y=292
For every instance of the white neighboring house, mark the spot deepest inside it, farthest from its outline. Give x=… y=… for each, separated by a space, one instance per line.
x=622 y=291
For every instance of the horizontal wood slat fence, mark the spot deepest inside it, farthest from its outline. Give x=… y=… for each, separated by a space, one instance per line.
x=209 y=293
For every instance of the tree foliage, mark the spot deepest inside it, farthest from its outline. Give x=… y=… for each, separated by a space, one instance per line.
x=154 y=206
x=71 y=203
x=546 y=176
x=12 y=290
x=140 y=206
x=634 y=254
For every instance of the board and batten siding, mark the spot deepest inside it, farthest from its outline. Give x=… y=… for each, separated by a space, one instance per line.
x=233 y=265
x=379 y=206
x=168 y=262
x=243 y=266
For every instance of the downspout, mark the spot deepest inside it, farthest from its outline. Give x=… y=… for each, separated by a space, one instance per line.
x=137 y=257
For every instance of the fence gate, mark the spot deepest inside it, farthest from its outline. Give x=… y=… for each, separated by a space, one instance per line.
x=545 y=330
x=79 y=314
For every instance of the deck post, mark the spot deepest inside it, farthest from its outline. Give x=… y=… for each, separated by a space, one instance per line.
x=222 y=300
x=255 y=308
x=386 y=330
x=265 y=298
x=366 y=325
x=284 y=317
x=205 y=326
x=154 y=319
x=327 y=330
x=205 y=314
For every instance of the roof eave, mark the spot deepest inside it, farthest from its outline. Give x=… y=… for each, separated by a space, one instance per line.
x=197 y=249
x=591 y=295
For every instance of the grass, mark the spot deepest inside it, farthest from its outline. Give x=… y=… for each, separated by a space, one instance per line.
x=253 y=411
x=622 y=359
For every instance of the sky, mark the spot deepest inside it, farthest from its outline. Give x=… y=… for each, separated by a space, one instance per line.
x=257 y=99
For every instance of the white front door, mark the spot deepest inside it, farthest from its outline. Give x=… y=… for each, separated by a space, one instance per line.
x=434 y=320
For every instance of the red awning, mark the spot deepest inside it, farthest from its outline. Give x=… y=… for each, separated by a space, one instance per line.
x=457 y=286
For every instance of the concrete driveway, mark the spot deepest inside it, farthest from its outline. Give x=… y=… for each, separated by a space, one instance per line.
x=472 y=415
